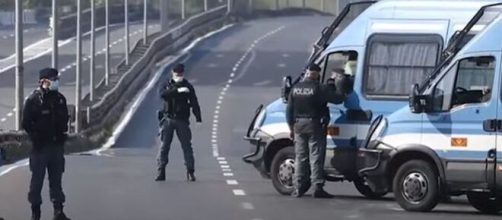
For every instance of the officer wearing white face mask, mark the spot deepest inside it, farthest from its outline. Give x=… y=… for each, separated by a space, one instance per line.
x=179 y=98
x=45 y=119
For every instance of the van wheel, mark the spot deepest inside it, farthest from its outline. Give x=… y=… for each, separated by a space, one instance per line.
x=416 y=186
x=283 y=170
x=484 y=202
x=366 y=191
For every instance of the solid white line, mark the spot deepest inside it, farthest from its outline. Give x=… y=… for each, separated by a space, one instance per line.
x=232 y=182
x=239 y=192
x=8 y=168
x=228 y=174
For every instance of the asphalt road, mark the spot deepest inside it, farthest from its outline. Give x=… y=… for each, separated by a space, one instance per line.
x=67 y=66
x=31 y=34
x=119 y=184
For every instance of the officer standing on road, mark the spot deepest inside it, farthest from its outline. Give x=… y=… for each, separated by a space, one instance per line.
x=179 y=96
x=45 y=119
x=306 y=115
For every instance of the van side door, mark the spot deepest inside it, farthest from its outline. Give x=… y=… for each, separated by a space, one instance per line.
x=496 y=156
x=458 y=125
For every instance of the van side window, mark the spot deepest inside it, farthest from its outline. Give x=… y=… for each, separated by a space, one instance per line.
x=474 y=80
x=343 y=62
x=395 y=62
x=469 y=81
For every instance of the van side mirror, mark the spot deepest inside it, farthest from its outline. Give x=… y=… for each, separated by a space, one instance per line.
x=286 y=88
x=416 y=101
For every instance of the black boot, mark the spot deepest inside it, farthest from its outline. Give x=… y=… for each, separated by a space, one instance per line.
x=161 y=175
x=190 y=176
x=59 y=214
x=320 y=193
x=300 y=191
x=35 y=213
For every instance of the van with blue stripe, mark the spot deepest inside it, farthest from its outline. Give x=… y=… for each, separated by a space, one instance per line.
x=448 y=141
x=384 y=47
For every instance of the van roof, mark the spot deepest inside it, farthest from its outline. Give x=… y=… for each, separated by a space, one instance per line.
x=416 y=16
x=488 y=39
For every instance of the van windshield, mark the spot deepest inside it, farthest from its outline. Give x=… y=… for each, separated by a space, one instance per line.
x=483 y=18
x=348 y=14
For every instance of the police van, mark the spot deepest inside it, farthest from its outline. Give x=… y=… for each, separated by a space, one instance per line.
x=383 y=47
x=448 y=140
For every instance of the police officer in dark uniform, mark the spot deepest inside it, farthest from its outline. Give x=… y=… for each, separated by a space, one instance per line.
x=45 y=119
x=307 y=115
x=179 y=97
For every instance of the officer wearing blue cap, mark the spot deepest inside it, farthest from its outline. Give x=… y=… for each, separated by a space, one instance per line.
x=45 y=119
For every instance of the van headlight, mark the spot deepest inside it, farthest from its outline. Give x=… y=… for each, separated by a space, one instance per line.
x=380 y=130
x=259 y=119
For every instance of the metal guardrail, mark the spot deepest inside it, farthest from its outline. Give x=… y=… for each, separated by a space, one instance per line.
x=173 y=38
x=105 y=112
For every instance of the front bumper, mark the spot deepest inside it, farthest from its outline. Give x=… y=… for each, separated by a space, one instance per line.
x=372 y=164
x=256 y=156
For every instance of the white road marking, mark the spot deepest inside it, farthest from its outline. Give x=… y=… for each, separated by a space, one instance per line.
x=263 y=83
x=9 y=114
x=228 y=174
x=247 y=206
x=8 y=168
x=220 y=55
x=281 y=65
x=3 y=119
x=223 y=162
x=226 y=170
x=212 y=65
x=232 y=182
x=220 y=158
x=239 y=192
x=285 y=55
x=225 y=166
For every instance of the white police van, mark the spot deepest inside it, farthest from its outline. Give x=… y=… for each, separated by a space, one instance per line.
x=448 y=141
x=384 y=47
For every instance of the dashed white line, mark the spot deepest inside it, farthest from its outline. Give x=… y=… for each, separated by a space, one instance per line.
x=228 y=174
x=232 y=182
x=225 y=166
x=281 y=65
x=223 y=162
x=9 y=114
x=3 y=119
x=239 y=192
x=247 y=206
x=226 y=170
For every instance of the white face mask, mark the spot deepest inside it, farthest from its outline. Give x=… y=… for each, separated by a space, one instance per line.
x=177 y=78
x=54 y=85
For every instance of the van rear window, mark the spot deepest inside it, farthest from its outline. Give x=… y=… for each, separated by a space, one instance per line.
x=395 y=62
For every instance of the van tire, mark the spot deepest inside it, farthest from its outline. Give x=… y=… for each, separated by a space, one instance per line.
x=416 y=186
x=484 y=202
x=366 y=191
x=283 y=162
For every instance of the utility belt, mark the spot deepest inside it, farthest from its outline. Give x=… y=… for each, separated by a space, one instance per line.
x=163 y=115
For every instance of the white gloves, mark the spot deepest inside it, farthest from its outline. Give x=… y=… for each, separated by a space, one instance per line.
x=183 y=90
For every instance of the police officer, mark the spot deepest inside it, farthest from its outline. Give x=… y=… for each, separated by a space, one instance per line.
x=179 y=96
x=45 y=119
x=307 y=117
